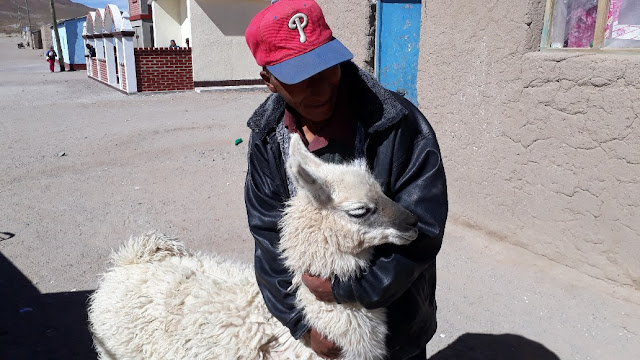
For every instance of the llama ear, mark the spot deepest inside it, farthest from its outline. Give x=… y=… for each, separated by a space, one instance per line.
x=310 y=183
x=299 y=152
x=300 y=166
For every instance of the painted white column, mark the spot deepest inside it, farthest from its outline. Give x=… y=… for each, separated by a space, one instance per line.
x=110 y=56
x=185 y=28
x=120 y=59
x=99 y=45
x=154 y=20
x=95 y=45
x=129 y=61
x=87 y=59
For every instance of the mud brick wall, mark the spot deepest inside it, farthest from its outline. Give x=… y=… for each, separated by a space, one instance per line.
x=164 y=69
x=541 y=148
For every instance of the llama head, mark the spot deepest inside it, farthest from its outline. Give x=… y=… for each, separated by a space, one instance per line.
x=339 y=214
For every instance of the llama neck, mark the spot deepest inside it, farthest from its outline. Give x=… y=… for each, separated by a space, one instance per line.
x=309 y=244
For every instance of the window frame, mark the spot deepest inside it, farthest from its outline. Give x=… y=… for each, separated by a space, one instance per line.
x=598 y=36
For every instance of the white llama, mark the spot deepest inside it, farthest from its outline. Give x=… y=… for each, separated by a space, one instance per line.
x=160 y=301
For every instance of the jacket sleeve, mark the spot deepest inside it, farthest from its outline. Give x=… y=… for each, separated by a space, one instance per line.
x=419 y=185
x=265 y=203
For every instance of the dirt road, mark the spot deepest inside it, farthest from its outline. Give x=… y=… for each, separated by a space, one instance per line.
x=83 y=167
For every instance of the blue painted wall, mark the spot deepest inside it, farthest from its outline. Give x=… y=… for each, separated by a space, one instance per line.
x=397 y=46
x=71 y=40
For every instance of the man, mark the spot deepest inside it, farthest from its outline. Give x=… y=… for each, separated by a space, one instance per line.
x=341 y=113
x=91 y=51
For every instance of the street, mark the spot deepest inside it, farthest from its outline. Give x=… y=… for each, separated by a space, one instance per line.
x=84 y=167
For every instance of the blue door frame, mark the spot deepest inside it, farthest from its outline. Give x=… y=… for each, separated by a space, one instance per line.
x=397 y=46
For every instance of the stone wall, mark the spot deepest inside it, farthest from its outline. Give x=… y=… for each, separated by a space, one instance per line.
x=47 y=38
x=541 y=149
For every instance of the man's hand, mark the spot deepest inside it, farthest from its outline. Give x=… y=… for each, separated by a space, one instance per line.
x=319 y=287
x=324 y=347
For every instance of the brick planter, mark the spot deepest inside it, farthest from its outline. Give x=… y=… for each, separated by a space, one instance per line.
x=103 y=69
x=94 y=68
x=123 y=77
x=164 y=69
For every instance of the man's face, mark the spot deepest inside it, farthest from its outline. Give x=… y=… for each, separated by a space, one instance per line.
x=314 y=98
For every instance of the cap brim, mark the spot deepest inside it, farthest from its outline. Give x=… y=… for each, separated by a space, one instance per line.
x=304 y=66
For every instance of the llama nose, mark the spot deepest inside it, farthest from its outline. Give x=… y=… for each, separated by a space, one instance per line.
x=412 y=221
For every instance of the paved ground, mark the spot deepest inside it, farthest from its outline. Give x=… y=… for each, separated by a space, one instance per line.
x=168 y=162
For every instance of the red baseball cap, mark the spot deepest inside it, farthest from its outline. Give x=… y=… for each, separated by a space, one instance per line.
x=293 y=41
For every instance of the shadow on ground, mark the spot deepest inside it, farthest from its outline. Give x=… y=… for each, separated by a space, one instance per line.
x=41 y=326
x=494 y=347
x=37 y=326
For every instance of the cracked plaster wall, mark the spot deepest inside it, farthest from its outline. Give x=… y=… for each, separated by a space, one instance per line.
x=542 y=149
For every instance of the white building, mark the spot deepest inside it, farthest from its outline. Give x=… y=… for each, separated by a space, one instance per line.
x=215 y=32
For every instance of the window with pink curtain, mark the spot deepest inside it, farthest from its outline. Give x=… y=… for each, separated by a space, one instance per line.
x=623 y=24
x=573 y=23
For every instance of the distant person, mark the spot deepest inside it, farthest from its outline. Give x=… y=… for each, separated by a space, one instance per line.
x=186 y=41
x=91 y=51
x=173 y=44
x=51 y=56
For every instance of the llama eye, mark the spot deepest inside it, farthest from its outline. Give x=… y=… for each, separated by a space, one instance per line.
x=359 y=212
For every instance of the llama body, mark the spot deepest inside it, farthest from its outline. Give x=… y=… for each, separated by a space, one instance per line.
x=160 y=301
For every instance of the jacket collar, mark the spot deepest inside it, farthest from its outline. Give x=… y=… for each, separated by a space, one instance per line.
x=380 y=107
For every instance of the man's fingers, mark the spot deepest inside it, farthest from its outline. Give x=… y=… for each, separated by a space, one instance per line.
x=323 y=346
x=330 y=354
x=319 y=287
x=333 y=353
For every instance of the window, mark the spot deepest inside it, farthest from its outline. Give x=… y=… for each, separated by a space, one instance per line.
x=591 y=24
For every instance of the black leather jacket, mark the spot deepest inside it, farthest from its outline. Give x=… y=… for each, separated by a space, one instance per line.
x=403 y=153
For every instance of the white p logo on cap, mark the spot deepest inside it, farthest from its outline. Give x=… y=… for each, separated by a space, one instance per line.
x=294 y=23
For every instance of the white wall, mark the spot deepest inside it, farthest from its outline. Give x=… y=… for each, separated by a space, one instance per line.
x=185 y=27
x=167 y=21
x=216 y=56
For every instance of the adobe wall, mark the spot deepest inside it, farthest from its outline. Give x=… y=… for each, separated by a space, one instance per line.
x=350 y=23
x=541 y=149
x=47 y=38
